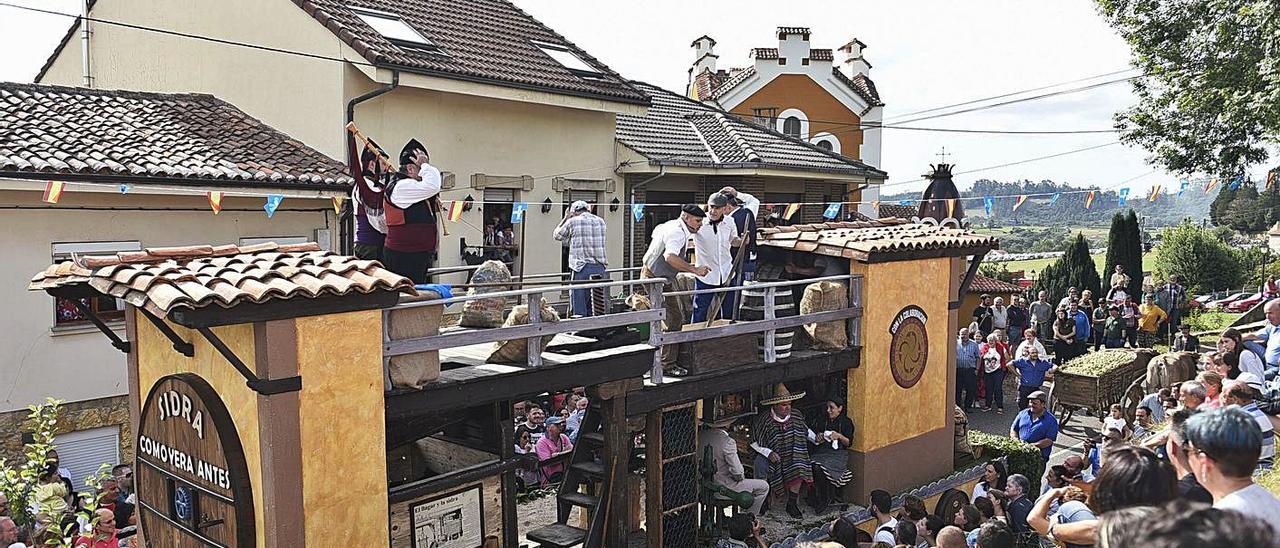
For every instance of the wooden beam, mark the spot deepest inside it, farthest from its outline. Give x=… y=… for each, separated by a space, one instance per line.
x=969 y=274
x=281 y=309
x=914 y=254
x=479 y=336
x=653 y=476
x=451 y=480
x=483 y=390
x=800 y=365
x=759 y=326
x=617 y=455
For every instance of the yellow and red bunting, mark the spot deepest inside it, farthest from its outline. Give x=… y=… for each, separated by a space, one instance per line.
x=951 y=207
x=1088 y=199
x=1155 y=192
x=53 y=191
x=1212 y=183
x=337 y=205
x=455 y=210
x=215 y=201
x=1271 y=178
x=875 y=207
x=791 y=211
x=1018 y=203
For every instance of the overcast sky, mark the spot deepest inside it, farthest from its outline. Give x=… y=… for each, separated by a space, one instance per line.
x=925 y=54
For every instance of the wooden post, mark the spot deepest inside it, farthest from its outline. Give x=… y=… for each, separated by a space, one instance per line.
x=617 y=454
x=855 y=300
x=770 y=351
x=535 y=342
x=657 y=300
x=506 y=430
x=653 y=478
x=386 y=360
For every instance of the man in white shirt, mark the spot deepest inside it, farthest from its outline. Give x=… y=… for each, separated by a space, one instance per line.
x=411 y=214
x=729 y=470
x=1029 y=341
x=1266 y=341
x=881 y=504
x=712 y=246
x=1223 y=446
x=665 y=259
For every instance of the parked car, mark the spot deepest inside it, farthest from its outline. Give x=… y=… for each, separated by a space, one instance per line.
x=1223 y=302
x=1243 y=305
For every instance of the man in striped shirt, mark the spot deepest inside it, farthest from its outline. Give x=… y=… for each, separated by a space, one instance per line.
x=1242 y=391
x=586 y=234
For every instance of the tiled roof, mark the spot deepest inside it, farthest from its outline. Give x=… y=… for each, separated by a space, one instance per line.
x=679 y=131
x=860 y=84
x=65 y=130
x=898 y=210
x=764 y=53
x=983 y=284
x=164 y=279
x=821 y=55
x=793 y=30
x=480 y=40
x=863 y=239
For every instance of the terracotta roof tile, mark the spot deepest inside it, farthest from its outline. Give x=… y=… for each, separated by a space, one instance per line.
x=983 y=284
x=862 y=239
x=64 y=130
x=162 y=279
x=860 y=84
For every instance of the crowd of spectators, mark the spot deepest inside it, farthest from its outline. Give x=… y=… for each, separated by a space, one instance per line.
x=548 y=429
x=60 y=516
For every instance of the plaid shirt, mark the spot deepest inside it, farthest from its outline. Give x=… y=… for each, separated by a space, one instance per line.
x=586 y=240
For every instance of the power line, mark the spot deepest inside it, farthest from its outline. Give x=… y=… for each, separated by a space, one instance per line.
x=1023 y=99
x=1019 y=162
x=1011 y=94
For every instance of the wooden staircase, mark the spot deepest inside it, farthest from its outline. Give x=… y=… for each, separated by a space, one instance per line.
x=584 y=485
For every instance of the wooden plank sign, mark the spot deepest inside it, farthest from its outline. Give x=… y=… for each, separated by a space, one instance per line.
x=192 y=480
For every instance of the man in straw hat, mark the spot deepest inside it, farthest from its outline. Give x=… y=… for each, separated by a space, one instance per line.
x=782 y=447
x=729 y=471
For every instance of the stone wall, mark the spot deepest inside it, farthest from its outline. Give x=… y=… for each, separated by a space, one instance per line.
x=72 y=417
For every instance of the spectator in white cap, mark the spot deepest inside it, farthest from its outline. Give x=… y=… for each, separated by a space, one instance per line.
x=586 y=234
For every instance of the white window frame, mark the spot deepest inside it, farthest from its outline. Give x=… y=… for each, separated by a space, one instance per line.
x=66 y=251
x=804 y=122
x=567 y=58
x=823 y=136
x=392 y=27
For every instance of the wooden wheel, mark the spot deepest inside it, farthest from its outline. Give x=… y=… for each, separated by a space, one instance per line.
x=1062 y=411
x=1132 y=397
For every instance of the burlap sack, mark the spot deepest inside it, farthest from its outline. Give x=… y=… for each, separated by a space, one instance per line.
x=486 y=312
x=963 y=451
x=517 y=351
x=415 y=370
x=823 y=297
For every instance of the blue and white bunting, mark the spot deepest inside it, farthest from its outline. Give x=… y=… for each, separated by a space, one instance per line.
x=124 y=188
x=637 y=212
x=1124 y=196
x=833 y=211
x=273 y=202
x=988 y=203
x=1055 y=197
x=1182 y=187
x=517 y=212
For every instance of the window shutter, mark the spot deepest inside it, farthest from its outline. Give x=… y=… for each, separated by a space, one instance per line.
x=499 y=195
x=84 y=451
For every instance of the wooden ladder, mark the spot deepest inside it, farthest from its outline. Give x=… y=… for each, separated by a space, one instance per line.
x=584 y=484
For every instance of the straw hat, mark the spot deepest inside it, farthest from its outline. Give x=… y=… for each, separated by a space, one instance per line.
x=781 y=395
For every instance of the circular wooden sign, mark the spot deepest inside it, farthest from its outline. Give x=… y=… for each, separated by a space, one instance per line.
x=908 y=346
x=191 y=477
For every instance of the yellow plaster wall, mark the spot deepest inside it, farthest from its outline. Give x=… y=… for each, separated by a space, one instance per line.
x=157 y=359
x=343 y=429
x=885 y=412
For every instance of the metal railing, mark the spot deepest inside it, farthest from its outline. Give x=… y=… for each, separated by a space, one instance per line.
x=537 y=328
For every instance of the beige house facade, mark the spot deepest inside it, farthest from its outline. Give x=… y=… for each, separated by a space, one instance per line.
x=486 y=92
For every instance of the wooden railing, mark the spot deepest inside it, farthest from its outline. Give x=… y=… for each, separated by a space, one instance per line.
x=536 y=329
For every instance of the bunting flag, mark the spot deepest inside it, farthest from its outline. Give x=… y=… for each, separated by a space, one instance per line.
x=1155 y=192
x=1235 y=183
x=273 y=202
x=987 y=203
x=124 y=188
x=637 y=212
x=1055 y=197
x=337 y=205
x=1022 y=199
x=53 y=191
x=833 y=211
x=791 y=211
x=904 y=202
x=1088 y=199
x=215 y=201
x=455 y=210
x=1212 y=183
x=1271 y=178
x=951 y=207
x=875 y=207
x=1124 y=197
x=517 y=212
x=1182 y=187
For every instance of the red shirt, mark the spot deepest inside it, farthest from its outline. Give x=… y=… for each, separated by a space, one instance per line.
x=95 y=542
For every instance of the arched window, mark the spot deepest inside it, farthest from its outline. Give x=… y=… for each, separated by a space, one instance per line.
x=824 y=145
x=826 y=141
x=791 y=126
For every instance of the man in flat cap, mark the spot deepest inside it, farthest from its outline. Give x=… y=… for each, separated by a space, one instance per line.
x=586 y=234
x=712 y=245
x=665 y=259
x=410 y=246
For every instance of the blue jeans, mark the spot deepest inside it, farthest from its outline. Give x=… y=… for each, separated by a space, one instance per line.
x=995 y=389
x=702 y=301
x=580 y=299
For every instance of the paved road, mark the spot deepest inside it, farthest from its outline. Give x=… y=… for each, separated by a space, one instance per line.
x=1070 y=440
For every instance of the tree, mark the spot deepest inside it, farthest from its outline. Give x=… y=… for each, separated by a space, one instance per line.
x=1209 y=97
x=1074 y=269
x=1132 y=254
x=1200 y=259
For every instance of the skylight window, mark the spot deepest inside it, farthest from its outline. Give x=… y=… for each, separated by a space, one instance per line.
x=392 y=27
x=567 y=58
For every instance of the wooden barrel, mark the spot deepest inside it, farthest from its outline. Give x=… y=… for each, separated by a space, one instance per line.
x=784 y=302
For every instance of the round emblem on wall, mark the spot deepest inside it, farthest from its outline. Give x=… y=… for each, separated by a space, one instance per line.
x=908 y=346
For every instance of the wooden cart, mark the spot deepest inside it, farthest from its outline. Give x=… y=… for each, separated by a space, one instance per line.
x=1072 y=392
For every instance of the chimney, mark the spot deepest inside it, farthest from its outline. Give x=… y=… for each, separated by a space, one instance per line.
x=854 y=63
x=704 y=56
x=793 y=44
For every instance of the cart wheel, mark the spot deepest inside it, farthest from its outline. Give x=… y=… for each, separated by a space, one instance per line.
x=1061 y=411
x=1132 y=397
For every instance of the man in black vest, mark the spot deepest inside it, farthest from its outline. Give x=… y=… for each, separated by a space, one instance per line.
x=410 y=246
